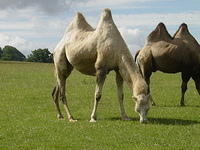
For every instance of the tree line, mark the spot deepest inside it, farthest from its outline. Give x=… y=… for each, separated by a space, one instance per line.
x=10 y=53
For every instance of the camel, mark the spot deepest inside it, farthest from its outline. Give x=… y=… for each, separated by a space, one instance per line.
x=180 y=53
x=96 y=52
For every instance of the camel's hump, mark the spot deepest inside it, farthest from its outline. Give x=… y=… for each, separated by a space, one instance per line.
x=106 y=18
x=159 y=33
x=183 y=29
x=106 y=14
x=183 y=25
x=184 y=33
x=161 y=25
x=79 y=22
x=107 y=10
x=79 y=16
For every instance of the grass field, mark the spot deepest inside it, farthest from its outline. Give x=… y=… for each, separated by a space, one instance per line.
x=28 y=118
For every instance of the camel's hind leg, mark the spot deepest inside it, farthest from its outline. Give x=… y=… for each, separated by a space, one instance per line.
x=55 y=95
x=197 y=83
x=185 y=79
x=63 y=70
x=100 y=78
x=120 y=95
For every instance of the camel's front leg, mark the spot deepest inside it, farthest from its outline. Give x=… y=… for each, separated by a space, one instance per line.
x=120 y=95
x=100 y=78
x=147 y=79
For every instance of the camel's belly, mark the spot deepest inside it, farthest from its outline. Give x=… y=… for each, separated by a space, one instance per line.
x=170 y=65
x=172 y=59
x=83 y=61
x=87 y=69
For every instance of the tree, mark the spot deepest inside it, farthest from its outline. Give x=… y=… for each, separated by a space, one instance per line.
x=1 y=52
x=11 y=53
x=40 y=55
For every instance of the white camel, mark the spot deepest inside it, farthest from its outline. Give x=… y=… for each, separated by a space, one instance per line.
x=95 y=52
x=180 y=53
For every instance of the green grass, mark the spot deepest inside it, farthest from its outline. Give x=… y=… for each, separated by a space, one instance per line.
x=28 y=117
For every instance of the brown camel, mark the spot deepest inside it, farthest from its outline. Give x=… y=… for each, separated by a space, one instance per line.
x=95 y=52
x=180 y=53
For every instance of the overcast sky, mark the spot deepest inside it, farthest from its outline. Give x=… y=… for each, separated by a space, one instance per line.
x=32 y=24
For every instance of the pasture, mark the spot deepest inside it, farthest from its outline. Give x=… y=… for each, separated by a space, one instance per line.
x=28 y=117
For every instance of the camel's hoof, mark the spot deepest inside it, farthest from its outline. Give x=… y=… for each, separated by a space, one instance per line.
x=93 y=120
x=144 y=121
x=182 y=105
x=73 y=120
x=60 y=117
x=126 y=118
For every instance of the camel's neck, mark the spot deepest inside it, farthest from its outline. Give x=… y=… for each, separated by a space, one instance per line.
x=130 y=73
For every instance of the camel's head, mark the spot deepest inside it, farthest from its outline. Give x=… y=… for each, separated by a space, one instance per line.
x=142 y=106
x=159 y=33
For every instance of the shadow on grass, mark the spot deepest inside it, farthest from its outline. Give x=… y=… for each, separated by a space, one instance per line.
x=168 y=121
x=197 y=106
x=119 y=119
x=178 y=106
x=161 y=121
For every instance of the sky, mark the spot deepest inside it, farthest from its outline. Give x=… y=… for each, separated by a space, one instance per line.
x=32 y=24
